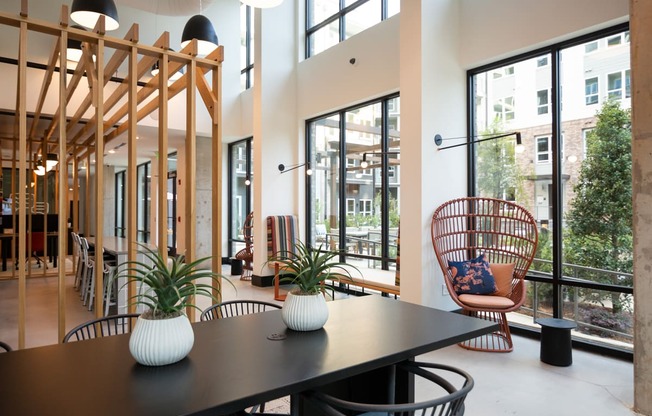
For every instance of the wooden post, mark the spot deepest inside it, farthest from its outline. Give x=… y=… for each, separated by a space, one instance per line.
x=99 y=173
x=216 y=133
x=163 y=155
x=132 y=169
x=191 y=162
x=62 y=188
x=22 y=177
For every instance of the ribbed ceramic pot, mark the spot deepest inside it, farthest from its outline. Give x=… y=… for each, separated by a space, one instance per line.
x=304 y=312
x=161 y=341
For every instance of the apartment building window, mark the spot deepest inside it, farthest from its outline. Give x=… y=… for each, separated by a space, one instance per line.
x=591 y=90
x=591 y=46
x=355 y=202
x=246 y=47
x=350 y=207
x=329 y=22
x=504 y=108
x=543 y=103
x=543 y=149
x=582 y=271
x=366 y=207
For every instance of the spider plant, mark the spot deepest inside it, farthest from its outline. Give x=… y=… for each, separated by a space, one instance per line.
x=167 y=290
x=308 y=268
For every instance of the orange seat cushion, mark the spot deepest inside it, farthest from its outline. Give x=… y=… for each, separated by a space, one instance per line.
x=503 y=275
x=486 y=301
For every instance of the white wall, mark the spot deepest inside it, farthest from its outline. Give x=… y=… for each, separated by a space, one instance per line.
x=491 y=30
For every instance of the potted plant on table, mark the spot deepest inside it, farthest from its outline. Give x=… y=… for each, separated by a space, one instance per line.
x=307 y=269
x=163 y=334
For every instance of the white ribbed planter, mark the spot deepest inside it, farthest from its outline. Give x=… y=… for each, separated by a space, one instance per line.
x=161 y=341
x=304 y=312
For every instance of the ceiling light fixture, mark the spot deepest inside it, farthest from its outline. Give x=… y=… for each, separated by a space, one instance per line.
x=88 y=12
x=200 y=28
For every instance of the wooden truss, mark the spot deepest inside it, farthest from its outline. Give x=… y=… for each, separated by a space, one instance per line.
x=75 y=141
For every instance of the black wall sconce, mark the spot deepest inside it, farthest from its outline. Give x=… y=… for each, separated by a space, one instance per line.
x=282 y=168
x=364 y=164
x=519 y=146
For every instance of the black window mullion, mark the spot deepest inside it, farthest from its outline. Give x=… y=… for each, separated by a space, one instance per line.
x=384 y=184
x=342 y=187
x=557 y=188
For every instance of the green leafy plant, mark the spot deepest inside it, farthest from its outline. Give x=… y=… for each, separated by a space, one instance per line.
x=167 y=290
x=308 y=269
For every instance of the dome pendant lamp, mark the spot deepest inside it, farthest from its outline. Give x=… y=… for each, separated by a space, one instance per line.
x=262 y=4
x=87 y=13
x=200 y=28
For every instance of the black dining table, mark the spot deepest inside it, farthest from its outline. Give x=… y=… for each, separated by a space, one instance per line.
x=235 y=362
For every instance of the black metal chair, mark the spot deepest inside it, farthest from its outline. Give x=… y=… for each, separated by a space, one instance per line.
x=235 y=308
x=447 y=399
x=102 y=327
x=4 y=346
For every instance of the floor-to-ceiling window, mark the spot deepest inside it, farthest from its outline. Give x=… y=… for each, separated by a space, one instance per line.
x=571 y=104
x=240 y=191
x=353 y=193
x=329 y=22
x=143 y=196
x=120 y=192
x=246 y=46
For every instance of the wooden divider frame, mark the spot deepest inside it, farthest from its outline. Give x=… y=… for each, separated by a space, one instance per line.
x=94 y=136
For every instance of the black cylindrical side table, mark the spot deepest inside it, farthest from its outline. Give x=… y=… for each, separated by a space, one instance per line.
x=556 y=346
x=236 y=266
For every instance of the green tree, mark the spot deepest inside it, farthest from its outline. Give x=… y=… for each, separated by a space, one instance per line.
x=599 y=222
x=498 y=174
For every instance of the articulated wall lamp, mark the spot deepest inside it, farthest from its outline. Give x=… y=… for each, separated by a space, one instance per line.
x=364 y=164
x=519 y=146
x=282 y=168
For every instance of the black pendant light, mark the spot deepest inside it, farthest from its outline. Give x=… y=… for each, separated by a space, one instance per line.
x=87 y=12
x=200 y=28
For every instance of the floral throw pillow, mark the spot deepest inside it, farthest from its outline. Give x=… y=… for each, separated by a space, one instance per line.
x=473 y=276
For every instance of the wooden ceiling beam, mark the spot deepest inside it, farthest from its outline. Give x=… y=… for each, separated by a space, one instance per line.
x=144 y=65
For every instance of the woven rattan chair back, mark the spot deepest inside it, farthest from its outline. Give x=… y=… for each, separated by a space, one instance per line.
x=247 y=253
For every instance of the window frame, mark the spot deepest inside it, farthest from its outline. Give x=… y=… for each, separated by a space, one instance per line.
x=556 y=280
x=339 y=17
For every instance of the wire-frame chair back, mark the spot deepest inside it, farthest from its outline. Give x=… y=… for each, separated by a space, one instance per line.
x=102 y=327
x=236 y=308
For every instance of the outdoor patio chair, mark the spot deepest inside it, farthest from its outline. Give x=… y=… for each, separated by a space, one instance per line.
x=246 y=255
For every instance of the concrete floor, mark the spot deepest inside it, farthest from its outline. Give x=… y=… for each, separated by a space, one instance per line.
x=516 y=383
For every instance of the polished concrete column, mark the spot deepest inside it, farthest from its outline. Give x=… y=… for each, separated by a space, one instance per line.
x=641 y=61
